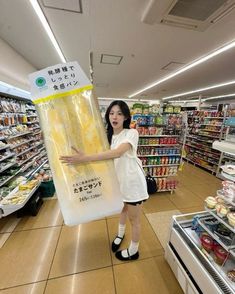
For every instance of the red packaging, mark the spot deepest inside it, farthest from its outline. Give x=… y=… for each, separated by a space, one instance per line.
x=207 y=242
x=220 y=254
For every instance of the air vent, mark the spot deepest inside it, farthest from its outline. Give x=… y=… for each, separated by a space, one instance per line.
x=196 y=9
x=111 y=59
x=189 y=14
x=71 y=6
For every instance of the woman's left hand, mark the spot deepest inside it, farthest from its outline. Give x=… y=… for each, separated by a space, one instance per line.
x=79 y=157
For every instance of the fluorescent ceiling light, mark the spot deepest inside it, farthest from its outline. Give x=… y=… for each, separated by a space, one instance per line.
x=187 y=67
x=11 y=90
x=129 y=100
x=185 y=101
x=220 y=96
x=200 y=90
x=47 y=28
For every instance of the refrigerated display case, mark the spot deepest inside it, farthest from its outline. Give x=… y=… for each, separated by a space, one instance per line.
x=199 y=264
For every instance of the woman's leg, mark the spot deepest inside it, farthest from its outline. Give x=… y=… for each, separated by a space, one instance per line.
x=134 y=214
x=121 y=229
x=123 y=215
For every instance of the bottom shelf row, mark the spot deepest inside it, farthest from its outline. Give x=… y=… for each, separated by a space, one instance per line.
x=162 y=184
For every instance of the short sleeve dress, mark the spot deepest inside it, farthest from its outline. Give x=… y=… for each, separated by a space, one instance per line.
x=129 y=168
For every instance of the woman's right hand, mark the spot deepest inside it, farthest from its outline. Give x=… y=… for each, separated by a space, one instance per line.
x=79 y=157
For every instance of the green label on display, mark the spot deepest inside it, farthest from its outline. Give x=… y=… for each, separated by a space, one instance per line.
x=57 y=79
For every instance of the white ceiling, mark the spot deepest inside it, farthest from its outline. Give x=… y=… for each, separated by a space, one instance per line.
x=114 y=27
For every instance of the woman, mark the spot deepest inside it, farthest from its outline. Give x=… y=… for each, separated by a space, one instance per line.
x=123 y=141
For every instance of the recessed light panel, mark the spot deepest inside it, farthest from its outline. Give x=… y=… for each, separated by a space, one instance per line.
x=111 y=59
x=71 y=6
x=173 y=65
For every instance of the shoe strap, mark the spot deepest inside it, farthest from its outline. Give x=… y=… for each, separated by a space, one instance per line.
x=127 y=250
x=121 y=238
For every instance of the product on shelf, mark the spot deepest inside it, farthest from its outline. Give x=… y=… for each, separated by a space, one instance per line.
x=211 y=223
x=220 y=254
x=211 y=202
x=155 y=109
x=221 y=210
x=137 y=108
x=18 y=152
x=231 y=218
x=231 y=275
x=203 y=128
x=229 y=169
x=207 y=242
x=159 y=148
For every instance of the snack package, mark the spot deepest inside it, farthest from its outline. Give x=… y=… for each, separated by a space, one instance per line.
x=69 y=116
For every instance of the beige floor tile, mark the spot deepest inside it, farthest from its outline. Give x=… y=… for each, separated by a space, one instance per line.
x=192 y=209
x=4 y=238
x=8 y=223
x=158 y=202
x=161 y=222
x=26 y=256
x=92 y=282
x=49 y=215
x=149 y=244
x=82 y=248
x=203 y=191
x=184 y=197
x=148 y=276
x=36 y=288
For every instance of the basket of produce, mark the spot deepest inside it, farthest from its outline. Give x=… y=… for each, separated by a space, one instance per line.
x=47 y=188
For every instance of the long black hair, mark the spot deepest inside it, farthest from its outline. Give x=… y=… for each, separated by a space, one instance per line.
x=126 y=112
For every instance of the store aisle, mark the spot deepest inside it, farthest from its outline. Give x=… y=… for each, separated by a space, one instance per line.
x=41 y=255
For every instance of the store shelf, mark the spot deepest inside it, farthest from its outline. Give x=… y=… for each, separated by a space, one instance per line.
x=18 y=135
x=224 y=221
x=203 y=159
x=159 y=145
x=206 y=130
x=213 y=117
x=25 y=151
x=200 y=139
x=158 y=155
x=164 y=176
x=152 y=165
x=10 y=208
x=35 y=170
x=22 y=143
x=154 y=136
x=216 y=238
x=196 y=147
x=37 y=133
x=206 y=135
x=22 y=163
x=8 y=179
x=211 y=125
x=8 y=166
x=4 y=158
x=195 y=163
x=36 y=128
x=228 y=177
x=5 y=147
x=224 y=146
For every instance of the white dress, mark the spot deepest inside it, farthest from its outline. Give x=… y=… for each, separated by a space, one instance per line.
x=129 y=168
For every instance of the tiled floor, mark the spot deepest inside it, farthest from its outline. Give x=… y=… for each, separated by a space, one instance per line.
x=42 y=256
